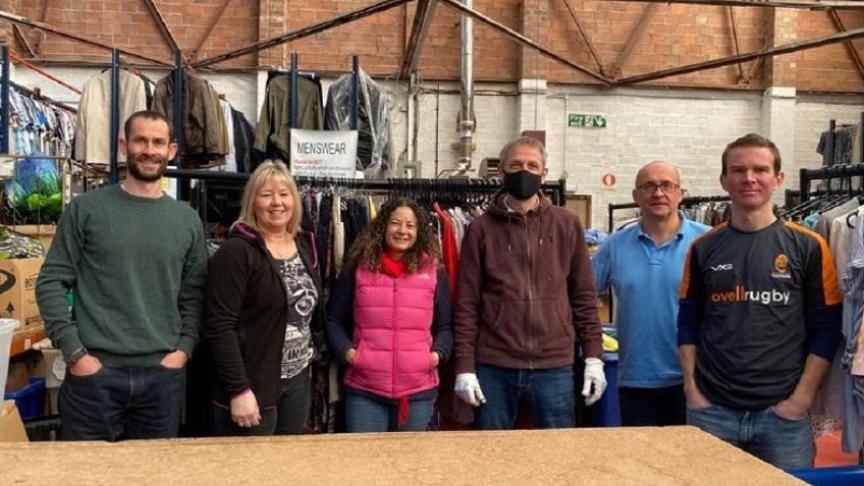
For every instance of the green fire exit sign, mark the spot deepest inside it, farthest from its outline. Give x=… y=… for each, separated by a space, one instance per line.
x=586 y=121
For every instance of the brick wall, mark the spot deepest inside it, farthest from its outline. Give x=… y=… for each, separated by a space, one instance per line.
x=829 y=66
x=127 y=24
x=687 y=126
x=676 y=34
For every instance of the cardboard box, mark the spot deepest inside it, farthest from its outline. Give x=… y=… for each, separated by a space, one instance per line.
x=11 y=426
x=43 y=232
x=18 y=292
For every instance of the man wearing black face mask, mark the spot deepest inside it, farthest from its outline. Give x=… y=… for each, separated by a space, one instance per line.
x=525 y=296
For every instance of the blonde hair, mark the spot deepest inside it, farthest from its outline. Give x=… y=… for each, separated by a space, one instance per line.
x=269 y=171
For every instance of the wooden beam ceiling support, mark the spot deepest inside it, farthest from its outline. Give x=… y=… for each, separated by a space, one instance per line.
x=634 y=38
x=303 y=32
x=456 y=5
x=47 y=28
x=850 y=47
x=43 y=14
x=725 y=61
x=422 y=20
x=210 y=26
x=585 y=37
x=162 y=25
x=808 y=4
x=736 y=46
x=22 y=40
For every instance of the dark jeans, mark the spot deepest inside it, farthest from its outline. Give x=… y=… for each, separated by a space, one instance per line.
x=786 y=444
x=287 y=417
x=122 y=403
x=549 y=394
x=652 y=406
x=367 y=414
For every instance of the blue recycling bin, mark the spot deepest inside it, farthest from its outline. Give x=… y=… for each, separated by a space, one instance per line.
x=831 y=476
x=607 y=411
x=29 y=400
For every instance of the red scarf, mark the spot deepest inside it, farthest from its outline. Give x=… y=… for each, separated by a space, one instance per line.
x=393 y=268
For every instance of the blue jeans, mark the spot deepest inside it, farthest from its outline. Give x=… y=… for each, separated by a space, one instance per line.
x=364 y=413
x=549 y=393
x=122 y=403
x=787 y=444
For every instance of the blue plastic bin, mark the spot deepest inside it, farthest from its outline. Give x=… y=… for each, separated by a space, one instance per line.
x=29 y=400
x=831 y=476
x=607 y=411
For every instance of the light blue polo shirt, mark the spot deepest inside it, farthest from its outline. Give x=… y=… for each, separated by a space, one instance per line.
x=646 y=279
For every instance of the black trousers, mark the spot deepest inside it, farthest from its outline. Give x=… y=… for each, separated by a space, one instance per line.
x=653 y=406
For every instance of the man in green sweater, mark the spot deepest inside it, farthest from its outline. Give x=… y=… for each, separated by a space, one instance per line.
x=135 y=261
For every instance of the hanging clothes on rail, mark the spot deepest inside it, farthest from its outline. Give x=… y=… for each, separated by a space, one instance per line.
x=244 y=139
x=273 y=132
x=844 y=137
x=37 y=126
x=92 y=133
x=205 y=134
x=851 y=351
x=839 y=402
x=373 y=123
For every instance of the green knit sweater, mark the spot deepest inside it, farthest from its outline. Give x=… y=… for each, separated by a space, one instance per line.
x=137 y=268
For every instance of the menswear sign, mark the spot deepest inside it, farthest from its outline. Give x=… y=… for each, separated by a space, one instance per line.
x=324 y=153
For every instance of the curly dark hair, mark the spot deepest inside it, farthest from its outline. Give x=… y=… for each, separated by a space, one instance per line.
x=367 y=248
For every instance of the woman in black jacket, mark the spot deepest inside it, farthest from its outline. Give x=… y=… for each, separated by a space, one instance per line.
x=264 y=325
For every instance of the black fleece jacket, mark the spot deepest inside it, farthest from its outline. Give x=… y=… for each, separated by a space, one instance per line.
x=247 y=310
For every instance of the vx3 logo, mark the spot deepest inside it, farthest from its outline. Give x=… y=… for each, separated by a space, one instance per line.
x=720 y=268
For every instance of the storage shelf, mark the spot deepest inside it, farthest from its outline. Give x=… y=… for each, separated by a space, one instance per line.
x=24 y=341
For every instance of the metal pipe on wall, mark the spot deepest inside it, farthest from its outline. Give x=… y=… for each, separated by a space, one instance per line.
x=466 y=114
x=4 y=103
x=114 y=121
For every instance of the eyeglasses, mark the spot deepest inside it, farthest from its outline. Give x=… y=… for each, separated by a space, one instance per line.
x=649 y=188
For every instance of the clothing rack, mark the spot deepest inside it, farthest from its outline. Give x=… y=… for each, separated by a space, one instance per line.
x=796 y=205
x=829 y=157
x=806 y=176
x=831 y=140
x=556 y=190
x=686 y=202
x=5 y=85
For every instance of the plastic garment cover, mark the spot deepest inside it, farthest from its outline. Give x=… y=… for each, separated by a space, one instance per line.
x=373 y=145
x=34 y=193
x=14 y=245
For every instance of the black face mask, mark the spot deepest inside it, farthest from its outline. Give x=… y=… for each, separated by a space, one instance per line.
x=522 y=184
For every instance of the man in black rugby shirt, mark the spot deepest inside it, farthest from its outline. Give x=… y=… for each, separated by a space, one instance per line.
x=759 y=317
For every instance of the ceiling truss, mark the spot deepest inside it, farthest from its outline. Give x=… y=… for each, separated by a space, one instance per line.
x=425 y=13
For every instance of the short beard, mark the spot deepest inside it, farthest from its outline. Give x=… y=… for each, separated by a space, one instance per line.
x=136 y=173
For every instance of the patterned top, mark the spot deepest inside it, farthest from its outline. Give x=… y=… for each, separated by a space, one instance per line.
x=297 y=351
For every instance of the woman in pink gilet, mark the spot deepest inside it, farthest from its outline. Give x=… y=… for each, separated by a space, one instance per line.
x=389 y=320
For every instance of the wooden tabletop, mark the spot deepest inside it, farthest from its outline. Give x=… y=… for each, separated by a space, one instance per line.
x=602 y=457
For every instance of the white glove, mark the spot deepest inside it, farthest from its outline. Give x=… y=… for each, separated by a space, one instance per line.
x=468 y=389
x=594 y=375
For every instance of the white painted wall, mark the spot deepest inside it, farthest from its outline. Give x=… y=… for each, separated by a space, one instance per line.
x=687 y=127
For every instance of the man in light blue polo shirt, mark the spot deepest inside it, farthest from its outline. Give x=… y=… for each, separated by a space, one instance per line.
x=643 y=263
